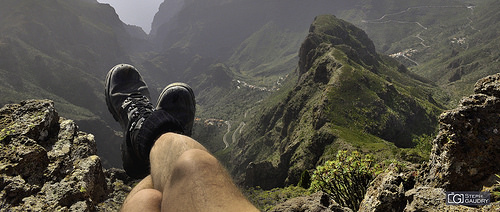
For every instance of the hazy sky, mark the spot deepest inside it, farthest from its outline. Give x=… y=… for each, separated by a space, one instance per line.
x=136 y=12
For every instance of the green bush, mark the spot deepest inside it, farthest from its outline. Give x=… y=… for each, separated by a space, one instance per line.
x=346 y=178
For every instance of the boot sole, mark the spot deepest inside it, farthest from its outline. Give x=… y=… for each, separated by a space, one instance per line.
x=106 y=91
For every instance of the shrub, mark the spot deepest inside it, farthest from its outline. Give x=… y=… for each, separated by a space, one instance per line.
x=346 y=178
x=305 y=180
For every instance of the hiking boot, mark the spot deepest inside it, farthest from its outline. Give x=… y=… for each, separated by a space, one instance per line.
x=127 y=98
x=174 y=112
x=178 y=100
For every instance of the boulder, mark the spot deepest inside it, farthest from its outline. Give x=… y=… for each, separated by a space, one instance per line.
x=47 y=164
x=387 y=191
x=466 y=152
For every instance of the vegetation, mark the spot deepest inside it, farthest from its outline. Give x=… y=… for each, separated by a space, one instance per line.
x=496 y=191
x=424 y=146
x=346 y=178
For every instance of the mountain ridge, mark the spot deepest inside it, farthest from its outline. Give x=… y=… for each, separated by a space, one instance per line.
x=289 y=137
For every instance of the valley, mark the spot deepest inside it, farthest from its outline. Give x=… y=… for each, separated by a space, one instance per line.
x=281 y=86
x=243 y=60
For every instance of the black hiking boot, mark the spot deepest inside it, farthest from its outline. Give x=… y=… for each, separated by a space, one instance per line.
x=127 y=98
x=178 y=100
x=127 y=95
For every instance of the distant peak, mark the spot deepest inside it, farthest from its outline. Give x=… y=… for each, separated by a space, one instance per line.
x=331 y=30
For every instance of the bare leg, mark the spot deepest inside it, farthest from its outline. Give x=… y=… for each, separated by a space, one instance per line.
x=143 y=197
x=165 y=152
x=191 y=179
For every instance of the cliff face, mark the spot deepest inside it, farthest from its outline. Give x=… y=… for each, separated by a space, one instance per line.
x=46 y=164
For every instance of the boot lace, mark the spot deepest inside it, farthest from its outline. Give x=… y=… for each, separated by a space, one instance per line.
x=138 y=109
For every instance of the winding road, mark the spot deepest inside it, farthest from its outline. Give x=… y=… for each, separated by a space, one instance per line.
x=386 y=18
x=239 y=129
x=224 y=139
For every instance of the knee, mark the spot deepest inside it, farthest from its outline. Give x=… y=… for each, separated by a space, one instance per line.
x=175 y=142
x=194 y=162
x=170 y=139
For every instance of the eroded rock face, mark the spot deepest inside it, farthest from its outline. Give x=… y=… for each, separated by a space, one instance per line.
x=466 y=153
x=46 y=164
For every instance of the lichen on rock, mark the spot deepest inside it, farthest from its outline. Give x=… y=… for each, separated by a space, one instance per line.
x=466 y=152
x=47 y=164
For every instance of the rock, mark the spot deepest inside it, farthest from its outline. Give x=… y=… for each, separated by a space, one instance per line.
x=431 y=199
x=466 y=152
x=387 y=191
x=489 y=85
x=318 y=202
x=47 y=164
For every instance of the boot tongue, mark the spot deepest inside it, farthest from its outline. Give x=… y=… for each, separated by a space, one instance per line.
x=144 y=133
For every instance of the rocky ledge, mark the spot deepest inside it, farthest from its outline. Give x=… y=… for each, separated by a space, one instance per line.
x=47 y=164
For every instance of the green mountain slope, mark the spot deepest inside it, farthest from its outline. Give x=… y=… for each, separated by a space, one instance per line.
x=257 y=39
x=345 y=96
x=468 y=54
x=62 y=50
x=257 y=42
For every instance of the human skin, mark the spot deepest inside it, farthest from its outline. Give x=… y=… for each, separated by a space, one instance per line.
x=185 y=177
